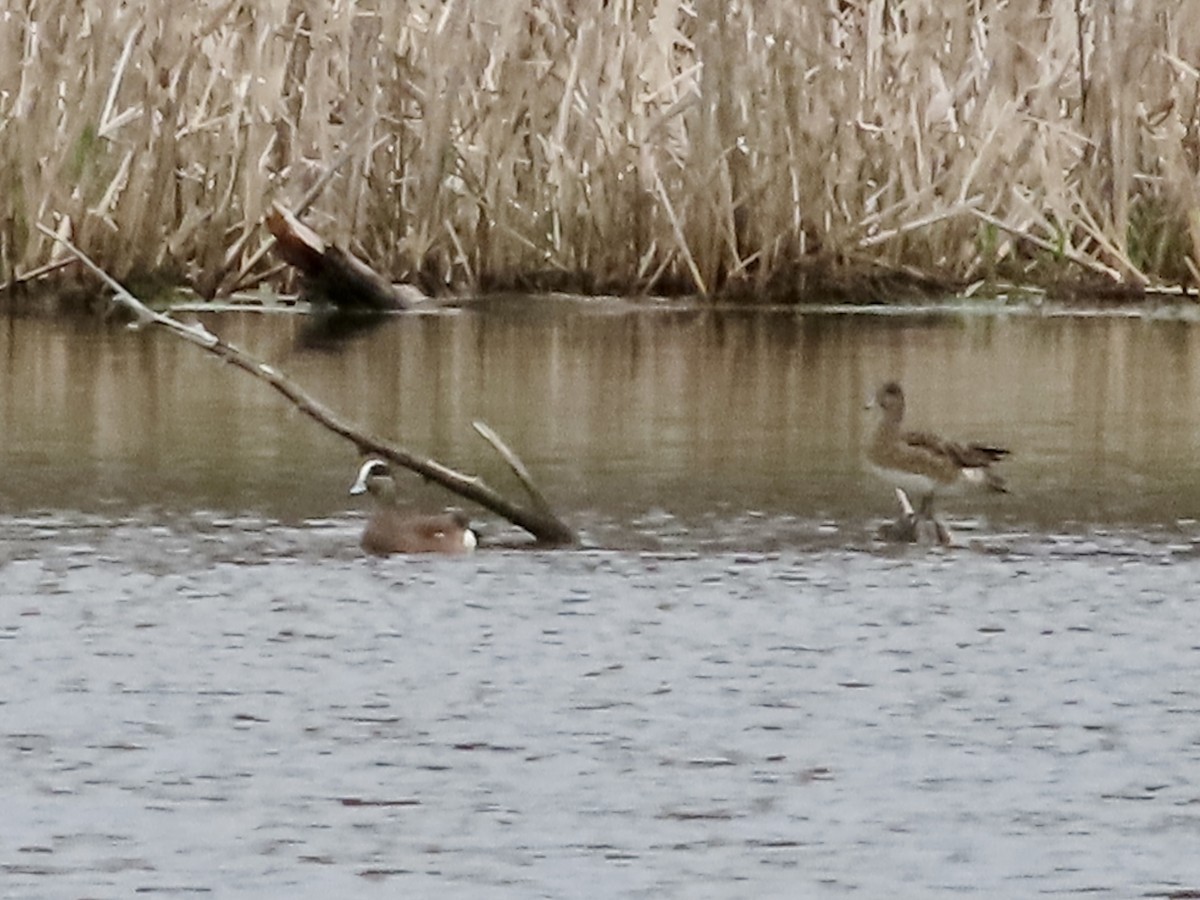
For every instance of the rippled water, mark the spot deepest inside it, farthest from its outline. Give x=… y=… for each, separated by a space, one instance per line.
x=187 y=717
x=205 y=689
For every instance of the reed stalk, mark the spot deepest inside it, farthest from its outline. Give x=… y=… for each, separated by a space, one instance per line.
x=666 y=145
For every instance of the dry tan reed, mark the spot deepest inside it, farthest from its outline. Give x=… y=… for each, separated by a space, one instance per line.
x=705 y=145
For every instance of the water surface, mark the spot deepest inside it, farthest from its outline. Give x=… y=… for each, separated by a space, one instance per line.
x=696 y=418
x=732 y=691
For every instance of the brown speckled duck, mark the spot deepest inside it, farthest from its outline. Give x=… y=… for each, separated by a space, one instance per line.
x=389 y=530
x=924 y=464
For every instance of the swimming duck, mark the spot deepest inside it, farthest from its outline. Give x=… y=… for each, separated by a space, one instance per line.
x=389 y=530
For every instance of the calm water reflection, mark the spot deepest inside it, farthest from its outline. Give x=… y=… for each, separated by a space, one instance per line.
x=680 y=421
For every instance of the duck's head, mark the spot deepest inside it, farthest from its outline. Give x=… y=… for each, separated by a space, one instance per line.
x=375 y=478
x=890 y=399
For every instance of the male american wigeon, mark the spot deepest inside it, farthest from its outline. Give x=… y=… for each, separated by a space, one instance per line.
x=389 y=530
x=924 y=464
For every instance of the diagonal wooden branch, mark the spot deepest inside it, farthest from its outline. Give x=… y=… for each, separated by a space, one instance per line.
x=514 y=463
x=541 y=523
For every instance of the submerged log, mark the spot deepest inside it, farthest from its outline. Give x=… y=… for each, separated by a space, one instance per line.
x=538 y=520
x=333 y=275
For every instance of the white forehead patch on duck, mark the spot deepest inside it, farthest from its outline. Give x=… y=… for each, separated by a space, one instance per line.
x=369 y=468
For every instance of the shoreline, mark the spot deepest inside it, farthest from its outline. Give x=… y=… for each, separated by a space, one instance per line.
x=1161 y=304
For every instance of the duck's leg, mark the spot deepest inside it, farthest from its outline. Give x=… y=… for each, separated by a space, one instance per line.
x=936 y=530
x=904 y=529
x=916 y=525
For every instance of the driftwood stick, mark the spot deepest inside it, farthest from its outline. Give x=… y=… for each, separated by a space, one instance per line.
x=540 y=523
x=34 y=274
x=514 y=463
x=53 y=266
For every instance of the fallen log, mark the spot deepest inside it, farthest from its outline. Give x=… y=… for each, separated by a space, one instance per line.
x=333 y=275
x=545 y=527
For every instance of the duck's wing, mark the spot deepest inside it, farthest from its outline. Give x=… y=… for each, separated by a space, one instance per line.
x=977 y=455
x=391 y=531
x=433 y=526
x=441 y=532
x=967 y=456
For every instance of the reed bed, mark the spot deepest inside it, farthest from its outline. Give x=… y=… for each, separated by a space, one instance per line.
x=757 y=147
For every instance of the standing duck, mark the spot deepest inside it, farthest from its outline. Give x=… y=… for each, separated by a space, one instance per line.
x=924 y=464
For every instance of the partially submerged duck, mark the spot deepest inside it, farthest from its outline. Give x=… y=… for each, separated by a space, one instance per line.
x=390 y=530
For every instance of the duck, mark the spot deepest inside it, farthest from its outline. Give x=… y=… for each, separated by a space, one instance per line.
x=389 y=530
x=923 y=464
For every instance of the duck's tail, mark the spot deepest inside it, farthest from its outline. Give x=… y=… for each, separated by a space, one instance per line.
x=982 y=476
